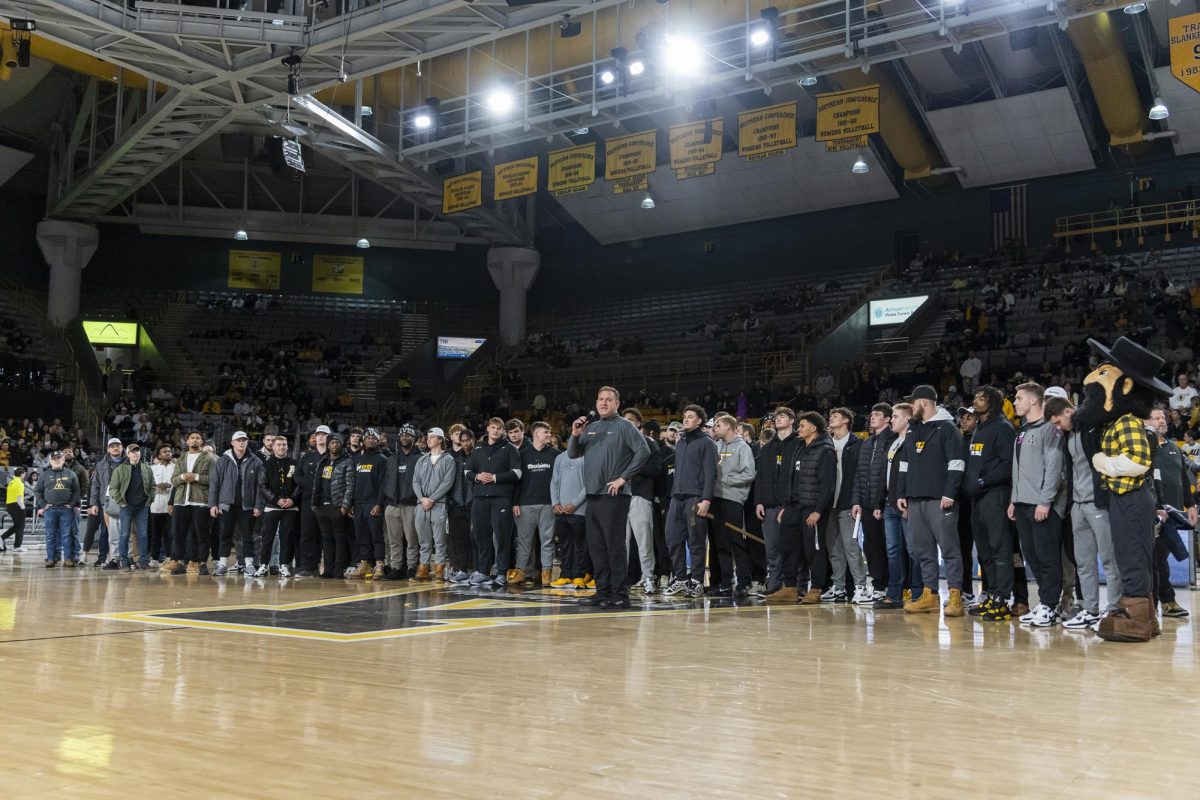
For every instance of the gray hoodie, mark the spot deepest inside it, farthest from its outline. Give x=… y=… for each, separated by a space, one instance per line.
x=735 y=470
x=434 y=480
x=1037 y=471
x=566 y=483
x=614 y=449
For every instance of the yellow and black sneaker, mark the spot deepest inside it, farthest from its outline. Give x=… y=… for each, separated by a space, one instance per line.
x=982 y=608
x=997 y=612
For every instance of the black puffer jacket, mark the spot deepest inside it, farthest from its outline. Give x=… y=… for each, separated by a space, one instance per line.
x=870 y=479
x=776 y=462
x=814 y=475
x=342 y=488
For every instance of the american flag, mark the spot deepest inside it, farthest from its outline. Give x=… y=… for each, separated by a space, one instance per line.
x=1009 y=213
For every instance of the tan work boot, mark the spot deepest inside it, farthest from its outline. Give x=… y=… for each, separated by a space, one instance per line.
x=784 y=594
x=193 y=568
x=377 y=571
x=811 y=598
x=422 y=572
x=1130 y=623
x=169 y=566
x=439 y=572
x=927 y=603
x=546 y=578
x=363 y=570
x=906 y=595
x=515 y=577
x=954 y=606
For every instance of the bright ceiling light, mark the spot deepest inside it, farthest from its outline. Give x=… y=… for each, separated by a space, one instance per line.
x=367 y=111
x=362 y=244
x=241 y=236
x=860 y=166
x=682 y=55
x=607 y=77
x=648 y=201
x=1159 y=110
x=808 y=80
x=580 y=131
x=636 y=67
x=1135 y=8
x=760 y=36
x=501 y=100
x=422 y=120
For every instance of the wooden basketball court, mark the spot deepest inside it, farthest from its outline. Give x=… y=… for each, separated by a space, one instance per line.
x=117 y=684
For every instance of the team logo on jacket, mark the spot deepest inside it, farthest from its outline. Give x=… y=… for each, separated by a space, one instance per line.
x=291 y=470
x=977 y=448
x=327 y=472
x=920 y=446
x=364 y=467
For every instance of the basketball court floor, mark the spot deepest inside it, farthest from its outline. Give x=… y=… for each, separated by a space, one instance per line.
x=119 y=685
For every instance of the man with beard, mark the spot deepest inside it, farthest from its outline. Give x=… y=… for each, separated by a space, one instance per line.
x=814 y=479
x=367 y=512
x=98 y=495
x=1118 y=396
x=1175 y=490
x=332 y=498
x=931 y=473
x=190 y=482
x=403 y=547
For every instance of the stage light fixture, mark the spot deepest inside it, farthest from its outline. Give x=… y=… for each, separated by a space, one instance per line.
x=760 y=36
x=501 y=99
x=636 y=67
x=682 y=55
x=607 y=76
x=422 y=120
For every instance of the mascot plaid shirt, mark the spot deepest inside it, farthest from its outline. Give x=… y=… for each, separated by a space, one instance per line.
x=1127 y=436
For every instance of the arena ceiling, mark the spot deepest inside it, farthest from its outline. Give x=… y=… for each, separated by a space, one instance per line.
x=155 y=113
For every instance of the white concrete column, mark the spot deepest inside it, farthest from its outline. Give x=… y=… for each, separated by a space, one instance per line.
x=67 y=247
x=513 y=270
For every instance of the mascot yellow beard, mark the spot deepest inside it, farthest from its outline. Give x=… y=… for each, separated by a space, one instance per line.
x=1117 y=398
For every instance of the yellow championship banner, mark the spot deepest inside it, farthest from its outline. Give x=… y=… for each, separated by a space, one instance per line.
x=337 y=274
x=516 y=178
x=571 y=169
x=696 y=147
x=462 y=192
x=627 y=156
x=854 y=112
x=250 y=269
x=1184 y=35
x=766 y=132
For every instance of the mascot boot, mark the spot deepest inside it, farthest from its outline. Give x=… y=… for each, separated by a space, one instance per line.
x=1130 y=623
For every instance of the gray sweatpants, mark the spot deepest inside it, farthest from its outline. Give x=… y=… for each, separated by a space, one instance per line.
x=641 y=525
x=1093 y=543
x=930 y=527
x=844 y=550
x=539 y=519
x=431 y=533
x=402 y=542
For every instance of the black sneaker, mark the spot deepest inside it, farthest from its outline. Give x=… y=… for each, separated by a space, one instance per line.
x=978 y=611
x=695 y=589
x=594 y=601
x=887 y=604
x=111 y=565
x=181 y=569
x=203 y=569
x=741 y=591
x=998 y=612
x=621 y=602
x=723 y=591
x=305 y=573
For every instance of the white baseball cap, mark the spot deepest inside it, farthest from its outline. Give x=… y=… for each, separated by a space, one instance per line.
x=323 y=429
x=238 y=435
x=436 y=432
x=1056 y=391
x=113 y=440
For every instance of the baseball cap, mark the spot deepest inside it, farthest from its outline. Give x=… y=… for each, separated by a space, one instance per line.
x=57 y=454
x=322 y=429
x=434 y=432
x=965 y=411
x=675 y=426
x=238 y=435
x=709 y=423
x=1056 y=391
x=923 y=392
x=112 y=441
x=407 y=429
x=371 y=432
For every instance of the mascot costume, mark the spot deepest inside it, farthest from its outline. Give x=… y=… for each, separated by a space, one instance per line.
x=1117 y=398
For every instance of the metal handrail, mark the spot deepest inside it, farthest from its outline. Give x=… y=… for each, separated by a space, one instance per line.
x=1139 y=218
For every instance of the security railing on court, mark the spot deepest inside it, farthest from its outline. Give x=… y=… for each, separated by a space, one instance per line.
x=1165 y=219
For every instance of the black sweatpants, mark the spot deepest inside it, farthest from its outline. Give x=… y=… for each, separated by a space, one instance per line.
x=758 y=550
x=1131 y=517
x=160 y=536
x=607 y=523
x=804 y=549
x=491 y=524
x=191 y=532
x=308 y=553
x=570 y=539
x=336 y=538
x=458 y=538
x=1041 y=547
x=993 y=532
x=234 y=520
x=875 y=549
x=17 y=514
x=686 y=533
x=731 y=546
x=965 y=540
x=368 y=533
x=282 y=523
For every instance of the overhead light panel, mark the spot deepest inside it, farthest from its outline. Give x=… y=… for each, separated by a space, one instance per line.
x=808 y=80
x=648 y=201
x=681 y=55
x=1159 y=110
x=1134 y=8
x=362 y=244
x=607 y=76
x=580 y=131
x=764 y=33
x=425 y=118
x=501 y=99
x=760 y=36
x=367 y=111
x=241 y=236
x=636 y=67
x=422 y=120
x=860 y=166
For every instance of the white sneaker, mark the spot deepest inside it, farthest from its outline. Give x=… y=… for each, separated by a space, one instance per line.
x=284 y=572
x=1027 y=618
x=970 y=600
x=676 y=587
x=757 y=588
x=833 y=595
x=649 y=587
x=1044 y=617
x=19 y=550
x=261 y=572
x=249 y=568
x=1082 y=621
x=862 y=597
x=877 y=595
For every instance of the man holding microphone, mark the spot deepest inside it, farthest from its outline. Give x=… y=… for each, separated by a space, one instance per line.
x=614 y=451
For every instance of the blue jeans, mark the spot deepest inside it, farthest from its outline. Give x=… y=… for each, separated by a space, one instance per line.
x=59 y=534
x=139 y=516
x=902 y=568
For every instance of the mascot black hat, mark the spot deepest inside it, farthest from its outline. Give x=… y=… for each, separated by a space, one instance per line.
x=1135 y=361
